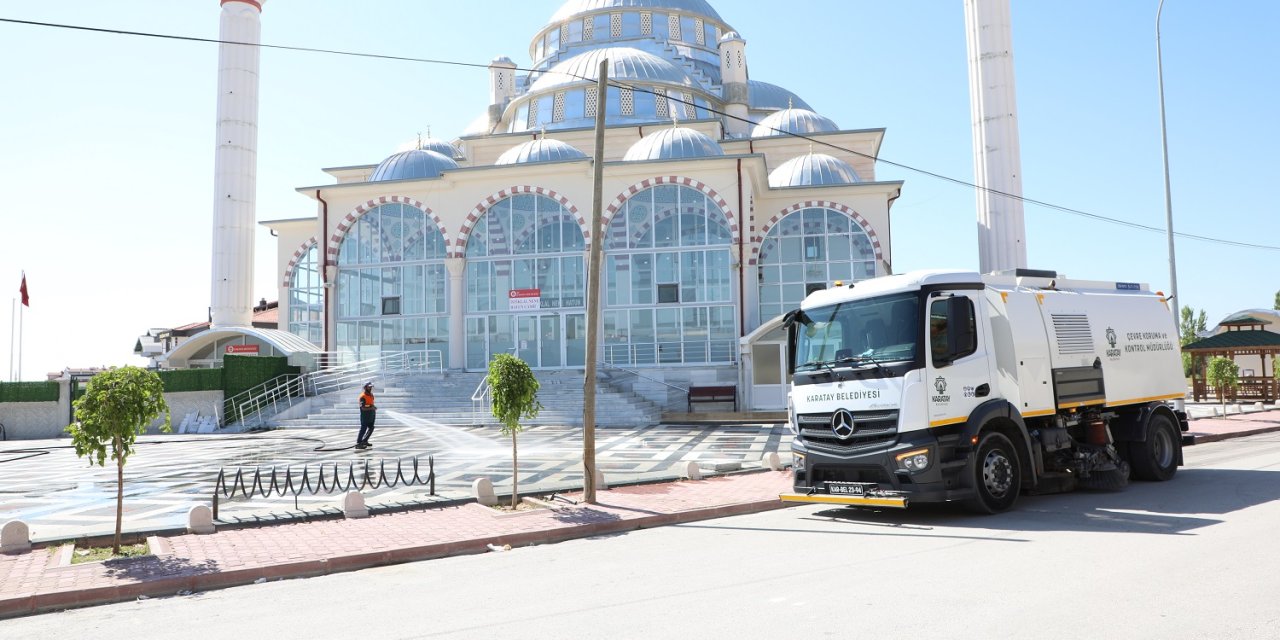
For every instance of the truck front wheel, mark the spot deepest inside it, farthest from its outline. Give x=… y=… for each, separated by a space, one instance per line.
x=997 y=475
x=1157 y=457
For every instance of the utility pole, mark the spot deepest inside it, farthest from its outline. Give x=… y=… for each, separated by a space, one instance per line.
x=1168 y=200
x=593 y=295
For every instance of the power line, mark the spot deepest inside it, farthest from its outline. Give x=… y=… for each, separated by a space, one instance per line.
x=669 y=97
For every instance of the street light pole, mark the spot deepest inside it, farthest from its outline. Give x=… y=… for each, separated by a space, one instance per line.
x=1168 y=201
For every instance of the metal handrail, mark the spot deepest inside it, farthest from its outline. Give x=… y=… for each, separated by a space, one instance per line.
x=266 y=486
x=480 y=397
x=640 y=375
x=296 y=388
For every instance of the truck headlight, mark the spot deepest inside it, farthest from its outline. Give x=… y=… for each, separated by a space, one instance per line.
x=913 y=461
x=797 y=461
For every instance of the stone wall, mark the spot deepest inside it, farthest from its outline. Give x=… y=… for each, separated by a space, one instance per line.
x=32 y=420
x=42 y=420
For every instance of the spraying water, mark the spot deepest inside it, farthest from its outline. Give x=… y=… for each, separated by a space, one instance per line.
x=455 y=440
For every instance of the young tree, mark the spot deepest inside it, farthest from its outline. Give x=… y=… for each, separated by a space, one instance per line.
x=1223 y=374
x=1190 y=325
x=515 y=396
x=1276 y=306
x=116 y=408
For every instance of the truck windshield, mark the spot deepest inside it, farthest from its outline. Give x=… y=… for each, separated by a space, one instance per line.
x=871 y=331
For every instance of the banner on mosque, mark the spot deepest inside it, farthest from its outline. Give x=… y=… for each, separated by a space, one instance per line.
x=524 y=299
x=242 y=348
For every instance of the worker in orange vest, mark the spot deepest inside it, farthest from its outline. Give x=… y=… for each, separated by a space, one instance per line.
x=368 y=412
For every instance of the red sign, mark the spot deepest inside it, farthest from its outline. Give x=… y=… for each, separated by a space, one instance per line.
x=524 y=299
x=242 y=348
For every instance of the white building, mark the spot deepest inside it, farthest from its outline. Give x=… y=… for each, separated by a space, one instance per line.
x=714 y=226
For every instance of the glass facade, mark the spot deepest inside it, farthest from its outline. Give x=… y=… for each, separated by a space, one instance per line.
x=525 y=284
x=668 y=281
x=809 y=249
x=306 y=297
x=392 y=285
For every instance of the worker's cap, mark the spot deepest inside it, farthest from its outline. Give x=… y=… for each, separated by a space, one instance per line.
x=368 y=385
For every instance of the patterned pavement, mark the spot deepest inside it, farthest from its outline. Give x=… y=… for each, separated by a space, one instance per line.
x=60 y=496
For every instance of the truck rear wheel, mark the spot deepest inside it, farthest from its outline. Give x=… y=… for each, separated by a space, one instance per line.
x=1157 y=457
x=997 y=475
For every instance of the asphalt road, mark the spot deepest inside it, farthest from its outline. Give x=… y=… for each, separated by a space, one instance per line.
x=1192 y=558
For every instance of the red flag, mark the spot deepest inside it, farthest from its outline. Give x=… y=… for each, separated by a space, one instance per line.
x=26 y=299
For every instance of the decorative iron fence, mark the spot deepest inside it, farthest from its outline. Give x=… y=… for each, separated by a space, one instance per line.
x=359 y=476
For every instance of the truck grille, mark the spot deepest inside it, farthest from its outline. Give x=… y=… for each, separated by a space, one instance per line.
x=872 y=430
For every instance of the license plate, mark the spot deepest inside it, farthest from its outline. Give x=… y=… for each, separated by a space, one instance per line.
x=849 y=488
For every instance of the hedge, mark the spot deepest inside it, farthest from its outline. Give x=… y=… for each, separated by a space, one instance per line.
x=245 y=372
x=29 y=391
x=191 y=380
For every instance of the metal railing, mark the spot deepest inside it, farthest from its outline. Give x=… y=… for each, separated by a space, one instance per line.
x=290 y=484
x=253 y=406
x=480 y=399
x=662 y=353
x=640 y=375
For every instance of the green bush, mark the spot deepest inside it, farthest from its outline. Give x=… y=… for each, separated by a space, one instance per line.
x=191 y=380
x=241 y=373
x=29 y=391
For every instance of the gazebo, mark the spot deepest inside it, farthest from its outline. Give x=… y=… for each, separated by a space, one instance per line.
x=1244 y=336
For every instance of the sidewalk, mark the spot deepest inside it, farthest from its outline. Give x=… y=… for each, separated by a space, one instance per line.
x=43 y=579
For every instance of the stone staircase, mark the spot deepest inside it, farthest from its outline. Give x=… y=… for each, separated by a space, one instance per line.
x=446 y=399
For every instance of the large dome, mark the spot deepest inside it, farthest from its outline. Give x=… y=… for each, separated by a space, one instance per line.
x=625 y=64
x=767 y=96
x=574 y=8
x=411 y=165
x=673 y=144
x=540 y=150
x=797 y=121
x=811 y=170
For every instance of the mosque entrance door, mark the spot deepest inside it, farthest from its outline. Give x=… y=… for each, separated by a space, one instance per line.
x=543 y=340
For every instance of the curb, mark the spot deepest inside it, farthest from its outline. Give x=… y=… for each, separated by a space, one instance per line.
x=33 y=603
x=1201 y=438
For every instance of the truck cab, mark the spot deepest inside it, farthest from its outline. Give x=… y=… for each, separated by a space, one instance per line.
x=941 y=386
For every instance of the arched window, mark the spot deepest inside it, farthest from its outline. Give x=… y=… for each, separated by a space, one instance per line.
x=668 y=280
x=808 y=250
x=306 y=297
x=526 y=284
x=392 y=285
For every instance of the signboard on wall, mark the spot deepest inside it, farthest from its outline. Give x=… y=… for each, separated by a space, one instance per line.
x=242 y=348
x=524 y=299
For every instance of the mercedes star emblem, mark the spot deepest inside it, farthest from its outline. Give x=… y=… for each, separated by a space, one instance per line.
x=842 y=424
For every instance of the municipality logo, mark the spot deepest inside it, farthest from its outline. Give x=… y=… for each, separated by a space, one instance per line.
x=1113 y=353
x=1111 y=337
x=941 y=385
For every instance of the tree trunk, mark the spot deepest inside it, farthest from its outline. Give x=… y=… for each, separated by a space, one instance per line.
x=115 y=548
x=515 y=473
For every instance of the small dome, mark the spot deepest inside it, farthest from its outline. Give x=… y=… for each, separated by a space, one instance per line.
x=731 y=36
x=625 y=64
x=793 y=120
x=765 y=96
x=579 y=7
x=540 y=150
x=502 y=61
x=812 y=170
x=431 y=144
x=674 y=144
x=411 y=165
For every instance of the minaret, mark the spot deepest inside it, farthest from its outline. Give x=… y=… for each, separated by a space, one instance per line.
x=733 y=78
x=235 y=166
x=997 y=161
x=502 y=87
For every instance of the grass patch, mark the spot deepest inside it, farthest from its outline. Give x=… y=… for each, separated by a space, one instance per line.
x=98 y=554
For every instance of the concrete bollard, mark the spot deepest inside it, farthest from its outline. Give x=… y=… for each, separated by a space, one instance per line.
x=600 y=483
x=1257 y=406
x=353 y=505
x=15 y=537
x=689 y=469
x=771 y=461
x=200 y=519
x=482 y=489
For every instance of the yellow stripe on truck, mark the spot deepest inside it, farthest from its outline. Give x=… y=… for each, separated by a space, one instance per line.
x=1171 y=396
x=946 y=421
x=823 y=498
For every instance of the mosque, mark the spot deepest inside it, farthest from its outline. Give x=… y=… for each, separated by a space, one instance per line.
x=716 y=220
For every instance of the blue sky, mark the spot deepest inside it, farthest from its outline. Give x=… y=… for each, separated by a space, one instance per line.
x=107 y=141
